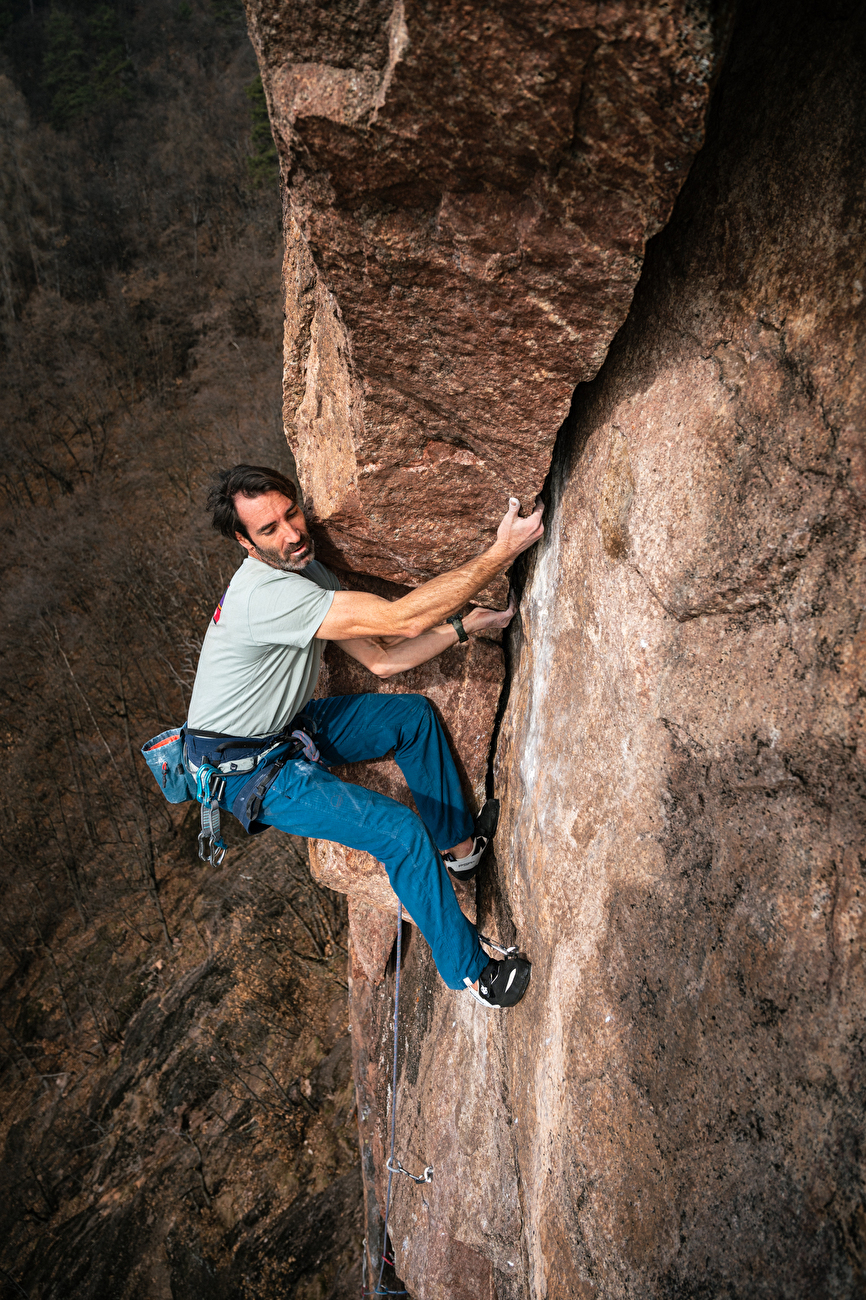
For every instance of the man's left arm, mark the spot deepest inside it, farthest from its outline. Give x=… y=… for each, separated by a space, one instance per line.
x=387 y=656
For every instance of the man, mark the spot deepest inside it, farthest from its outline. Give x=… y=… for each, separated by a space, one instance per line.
x=254 y=686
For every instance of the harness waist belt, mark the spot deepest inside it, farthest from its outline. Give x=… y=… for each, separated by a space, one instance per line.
x=236 y=755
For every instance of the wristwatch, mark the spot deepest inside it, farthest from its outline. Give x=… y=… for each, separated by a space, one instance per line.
x=457 y=623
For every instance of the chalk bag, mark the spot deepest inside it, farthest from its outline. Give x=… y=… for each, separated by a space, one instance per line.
x=164 y=756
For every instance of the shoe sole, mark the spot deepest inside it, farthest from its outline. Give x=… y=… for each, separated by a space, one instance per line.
x=467 y=875
x=488 y=819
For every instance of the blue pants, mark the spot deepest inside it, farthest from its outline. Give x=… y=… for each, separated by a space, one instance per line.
x=306 y=799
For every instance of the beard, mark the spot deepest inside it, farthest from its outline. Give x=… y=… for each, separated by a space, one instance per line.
x=277 y=560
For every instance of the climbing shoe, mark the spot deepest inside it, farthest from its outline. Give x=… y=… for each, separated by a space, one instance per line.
x=502 y=983
x=485 y=828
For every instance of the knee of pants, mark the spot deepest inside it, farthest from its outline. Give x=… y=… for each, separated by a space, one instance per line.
x=418 y=709
x=415 y=703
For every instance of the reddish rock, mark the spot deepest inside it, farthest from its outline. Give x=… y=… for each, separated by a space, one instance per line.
x=453 y=1239
x=676 y=1107
x=372 y=933
x=681 y=761
x=468 y=193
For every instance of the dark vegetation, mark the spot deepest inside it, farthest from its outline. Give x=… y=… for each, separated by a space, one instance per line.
x=173 y=1062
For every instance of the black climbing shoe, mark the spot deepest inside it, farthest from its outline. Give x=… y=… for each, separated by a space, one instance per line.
x=502 y=983
x=485 y=828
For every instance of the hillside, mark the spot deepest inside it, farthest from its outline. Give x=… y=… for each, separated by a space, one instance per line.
x=176 y=1096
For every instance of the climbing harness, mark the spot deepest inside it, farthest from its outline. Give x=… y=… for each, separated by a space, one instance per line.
x=262 y=757
x=193 y=765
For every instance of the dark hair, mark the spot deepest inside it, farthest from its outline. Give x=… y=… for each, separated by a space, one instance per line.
x=248 y=481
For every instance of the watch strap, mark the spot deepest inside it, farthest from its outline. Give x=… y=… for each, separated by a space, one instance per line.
x=457 y=623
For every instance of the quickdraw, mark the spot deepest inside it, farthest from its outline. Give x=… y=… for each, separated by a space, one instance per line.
x=397 y=1168
x=506 y=952
x=209 y=789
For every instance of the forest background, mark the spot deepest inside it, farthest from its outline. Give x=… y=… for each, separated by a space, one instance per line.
x=174 y=1062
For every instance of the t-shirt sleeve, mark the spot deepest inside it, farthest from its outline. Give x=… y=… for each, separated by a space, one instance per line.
x=287 y=611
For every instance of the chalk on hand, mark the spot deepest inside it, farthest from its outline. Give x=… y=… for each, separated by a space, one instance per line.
x=513 y=501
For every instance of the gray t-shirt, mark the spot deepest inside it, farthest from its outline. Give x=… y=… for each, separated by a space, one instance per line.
x=259 y=662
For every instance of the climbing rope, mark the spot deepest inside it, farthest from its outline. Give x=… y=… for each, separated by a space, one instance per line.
x=391 y=1169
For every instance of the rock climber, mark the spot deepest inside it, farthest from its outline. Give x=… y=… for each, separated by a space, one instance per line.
x=254 y=685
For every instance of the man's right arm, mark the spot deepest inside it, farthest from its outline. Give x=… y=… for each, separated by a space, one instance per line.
x=359 y=614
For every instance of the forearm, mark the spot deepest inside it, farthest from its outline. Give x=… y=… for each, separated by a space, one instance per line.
x=419 y=611
x=388 y=660
x=429 y=605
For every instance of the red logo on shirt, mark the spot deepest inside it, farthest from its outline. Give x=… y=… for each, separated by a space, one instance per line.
x=219 y=608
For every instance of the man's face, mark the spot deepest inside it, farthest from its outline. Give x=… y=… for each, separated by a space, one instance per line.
x=277 y=531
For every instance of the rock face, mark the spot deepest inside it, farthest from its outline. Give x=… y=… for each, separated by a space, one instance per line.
x=469 y=189
x=682 y=761
x=676 y=1107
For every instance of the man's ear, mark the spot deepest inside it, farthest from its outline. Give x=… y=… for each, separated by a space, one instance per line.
x=245 y=543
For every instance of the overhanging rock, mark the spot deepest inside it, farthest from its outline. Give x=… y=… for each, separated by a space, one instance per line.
x=468 y=193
